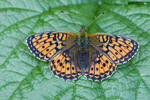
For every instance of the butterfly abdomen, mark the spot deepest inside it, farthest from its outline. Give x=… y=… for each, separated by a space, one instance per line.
x=82 y=61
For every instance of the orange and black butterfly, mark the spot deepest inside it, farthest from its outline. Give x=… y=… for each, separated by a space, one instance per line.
x=70 y=56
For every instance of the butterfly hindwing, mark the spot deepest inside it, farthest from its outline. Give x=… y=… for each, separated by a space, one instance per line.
x=65 y=66
x=119 y=49
x=100 y=66
x=46 y=45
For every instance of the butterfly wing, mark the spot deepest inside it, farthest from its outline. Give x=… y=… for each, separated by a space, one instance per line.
x=65 y=65
x=119 y=49
x=60 y=49
x=100 y=65
x=109 y=51
x=47 y=45
x=100 y=68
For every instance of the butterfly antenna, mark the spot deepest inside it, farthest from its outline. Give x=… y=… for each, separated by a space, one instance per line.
x=101 y=14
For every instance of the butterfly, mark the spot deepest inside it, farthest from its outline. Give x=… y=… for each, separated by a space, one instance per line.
x=95 y=56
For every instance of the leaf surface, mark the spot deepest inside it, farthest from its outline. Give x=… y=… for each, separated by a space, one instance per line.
x=23 y=77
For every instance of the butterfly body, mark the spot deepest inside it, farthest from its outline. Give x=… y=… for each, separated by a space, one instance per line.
x=96 y=56
x=83 y=41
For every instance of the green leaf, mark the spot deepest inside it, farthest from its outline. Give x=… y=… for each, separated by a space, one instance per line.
x=23 y=77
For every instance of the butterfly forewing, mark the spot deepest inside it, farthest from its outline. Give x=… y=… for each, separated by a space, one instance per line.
x=47 y=45
x=118 y=49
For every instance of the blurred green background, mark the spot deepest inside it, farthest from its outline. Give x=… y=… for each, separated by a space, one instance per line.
x=23 y=77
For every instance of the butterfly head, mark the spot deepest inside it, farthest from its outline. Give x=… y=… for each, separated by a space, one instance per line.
x=83 y=31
